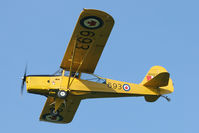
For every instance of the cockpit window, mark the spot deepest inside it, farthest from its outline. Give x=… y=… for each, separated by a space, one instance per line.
x=92 y=77
x=84 y=76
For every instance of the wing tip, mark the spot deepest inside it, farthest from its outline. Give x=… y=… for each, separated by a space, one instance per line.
x=99 y=12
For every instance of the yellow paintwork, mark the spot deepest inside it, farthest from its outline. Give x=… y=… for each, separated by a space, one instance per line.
x=83 y=89
x=83 y=52
x=37 y=84
x=95 y=40
x=155 y=70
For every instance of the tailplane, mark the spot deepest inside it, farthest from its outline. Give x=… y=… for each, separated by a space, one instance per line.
x=157 y=77
x=160 y=80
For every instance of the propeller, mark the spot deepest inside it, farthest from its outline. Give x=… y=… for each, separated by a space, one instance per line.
x=23 y=80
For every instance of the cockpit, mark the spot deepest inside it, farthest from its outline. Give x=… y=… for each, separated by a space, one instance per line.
x=83 y=76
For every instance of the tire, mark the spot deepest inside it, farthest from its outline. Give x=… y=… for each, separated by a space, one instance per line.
x=62 y=94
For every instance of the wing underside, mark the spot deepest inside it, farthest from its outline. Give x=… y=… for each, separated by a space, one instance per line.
x=89 y=38
x=66 y=110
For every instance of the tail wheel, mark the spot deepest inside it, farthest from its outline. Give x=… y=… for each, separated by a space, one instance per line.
x=62 y=94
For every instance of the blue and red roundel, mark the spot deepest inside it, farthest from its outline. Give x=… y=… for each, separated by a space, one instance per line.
x=126 y=87
x=91 y=22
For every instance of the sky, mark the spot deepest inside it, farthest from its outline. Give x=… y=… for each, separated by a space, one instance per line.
x=146 y=33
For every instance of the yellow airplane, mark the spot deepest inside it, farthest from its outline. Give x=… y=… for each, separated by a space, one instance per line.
x=65 y=89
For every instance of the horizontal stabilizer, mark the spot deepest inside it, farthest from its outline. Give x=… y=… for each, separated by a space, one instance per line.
x=160 y=80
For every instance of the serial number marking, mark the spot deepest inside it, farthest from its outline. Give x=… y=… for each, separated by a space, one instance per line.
x=85 y=39
x=114 y=85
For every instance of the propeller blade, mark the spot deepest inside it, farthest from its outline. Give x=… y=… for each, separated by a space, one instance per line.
x=22 y=86
x=23 y=80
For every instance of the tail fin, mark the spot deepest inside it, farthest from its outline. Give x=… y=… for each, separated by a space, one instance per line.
x=154 y=71
x=158 y=77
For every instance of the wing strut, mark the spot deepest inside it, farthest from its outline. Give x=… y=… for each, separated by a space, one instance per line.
x=79 y=65
x=74 y=49
x=59 y=101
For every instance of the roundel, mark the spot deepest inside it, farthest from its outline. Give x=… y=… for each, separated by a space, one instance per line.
x=49 y=117
x=91 y=22
x=126 y=87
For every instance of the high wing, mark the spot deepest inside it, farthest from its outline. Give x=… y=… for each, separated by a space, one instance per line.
x=66 y=110
x=89 y=38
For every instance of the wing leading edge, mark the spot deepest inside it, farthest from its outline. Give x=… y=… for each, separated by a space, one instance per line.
x=90 y=36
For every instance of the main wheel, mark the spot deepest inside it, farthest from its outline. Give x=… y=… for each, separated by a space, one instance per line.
x=62 y=94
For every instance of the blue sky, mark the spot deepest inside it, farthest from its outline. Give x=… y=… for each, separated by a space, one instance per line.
x=146 y=33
